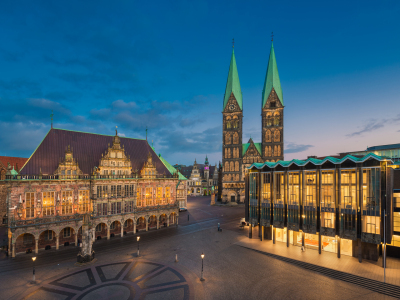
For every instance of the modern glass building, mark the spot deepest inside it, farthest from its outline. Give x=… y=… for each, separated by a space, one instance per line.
x=331 y=204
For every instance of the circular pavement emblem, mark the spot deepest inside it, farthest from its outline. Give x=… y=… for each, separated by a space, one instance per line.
x=121 y=280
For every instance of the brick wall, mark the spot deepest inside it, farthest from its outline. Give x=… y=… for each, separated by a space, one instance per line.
x=3 y=199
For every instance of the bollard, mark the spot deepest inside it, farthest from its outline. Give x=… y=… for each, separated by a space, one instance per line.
x=176 y=257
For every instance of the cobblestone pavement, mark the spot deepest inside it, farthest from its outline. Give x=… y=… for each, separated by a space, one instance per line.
x=230 y=271
x=134 y=279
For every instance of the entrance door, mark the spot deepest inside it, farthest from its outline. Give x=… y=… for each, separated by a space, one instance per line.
x=232 y=198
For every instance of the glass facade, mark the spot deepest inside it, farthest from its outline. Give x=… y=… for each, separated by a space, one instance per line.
x=310 y=202
x=294 y=199
x=253 y=198
x=266 y=199
x=370 y=201
x=348 y=201
x=279 y=199
x=327 y=199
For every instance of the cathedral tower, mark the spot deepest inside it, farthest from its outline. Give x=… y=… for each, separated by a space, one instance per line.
x=272 y=113
x=232 y=114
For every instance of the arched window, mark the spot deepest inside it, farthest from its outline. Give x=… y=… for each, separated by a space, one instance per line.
x=231 y=166
x=269 y=119
x=237 y=166
x=226 y=166
x=268 y=136
x=277 y=136
x=236 y=138
x=277 y=119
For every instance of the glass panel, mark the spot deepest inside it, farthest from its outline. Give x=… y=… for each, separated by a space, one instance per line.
x=371 y=201
x=266 y=196
x=311 y=241
x=396 y=200
x=253 y=196
x=281 y=235
x=348 y=199
x=48 y=203
x=310 y=201
x=293 y=197
x=66 y=198
x=84 y=203
x=346 y=247
x=396 y=221
x=327 y=200
x=279 y=204
x=30 y=205
x=329 y=244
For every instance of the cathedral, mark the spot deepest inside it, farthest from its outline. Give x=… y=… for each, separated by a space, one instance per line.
x=236 y=155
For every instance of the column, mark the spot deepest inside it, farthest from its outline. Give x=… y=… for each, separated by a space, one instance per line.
x=262 y=233
x=319 y=243
x=147 y=224
x=13 y=250
x=176 y=220
x=122 y=229
x=338 y=246
x=303 y=239
x=359 y=251
x=287 y=237
x=36 y=246
x=167 y=221
x=273 y=235
x=108 y=231
x=57 y=241
x=158 y=223
x=250 y=231
x=134 y=227
x=76 y=239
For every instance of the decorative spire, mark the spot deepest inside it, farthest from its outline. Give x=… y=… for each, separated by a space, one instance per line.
x=146 y=133
x=233 y=83
x=51 y=116
x=272 y=79
x=116 y=130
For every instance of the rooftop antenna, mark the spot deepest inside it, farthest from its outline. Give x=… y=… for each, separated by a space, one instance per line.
x=51 y=116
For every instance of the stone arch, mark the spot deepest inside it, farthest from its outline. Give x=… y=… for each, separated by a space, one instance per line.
x=25 y=242
x=47 y=239
x=277 y=136
x=227 y=166
x=152 y=221
x=228 y=138
x=67 y=236
x=172 y=218
x=236 y=166
x=115 y=228
x=268 y=136
x=163 y=220
x=100 y=230
x=268 y=118
x=128 y=225
x=232 y=196
x=141 y=223
x=228 y=122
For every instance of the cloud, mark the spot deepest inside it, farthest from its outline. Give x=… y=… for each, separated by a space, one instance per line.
x=123 y=105
x=296 y=148
x=373 y=125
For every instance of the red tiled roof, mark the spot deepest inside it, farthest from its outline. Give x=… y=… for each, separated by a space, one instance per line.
x=87 y=149
x=4 y=160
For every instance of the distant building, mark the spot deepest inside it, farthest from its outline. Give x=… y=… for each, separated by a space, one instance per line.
x=391 y=151
x=202 y=178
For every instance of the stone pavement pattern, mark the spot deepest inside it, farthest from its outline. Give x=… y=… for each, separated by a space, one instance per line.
x=137 y=279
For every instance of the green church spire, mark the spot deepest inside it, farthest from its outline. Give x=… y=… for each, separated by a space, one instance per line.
x=272 y=79
x=233 y=84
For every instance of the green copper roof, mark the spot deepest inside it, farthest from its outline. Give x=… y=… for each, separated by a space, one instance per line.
x=247 y=145
x=318 y=162
x=233 y=84
x=13 y=171
x=170 y=168
x=272 y=79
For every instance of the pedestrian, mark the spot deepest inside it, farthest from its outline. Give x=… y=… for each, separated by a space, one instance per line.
x=218 y=226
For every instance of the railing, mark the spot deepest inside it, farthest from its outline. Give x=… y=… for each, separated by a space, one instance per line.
x=64 y=177
x=43 y=220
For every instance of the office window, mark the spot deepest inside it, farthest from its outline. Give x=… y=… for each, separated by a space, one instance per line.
x=30 y=205
x=48 y=203
x=67 y=199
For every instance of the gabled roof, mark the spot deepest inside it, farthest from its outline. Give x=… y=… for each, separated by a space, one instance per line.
x=233 y=84
x=318 y=162
x=247 y=145
x=87 y=150
x=170 y=168
x=272 y=79
x=4 y=160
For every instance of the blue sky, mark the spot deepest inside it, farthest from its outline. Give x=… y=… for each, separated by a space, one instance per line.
x=164 y=65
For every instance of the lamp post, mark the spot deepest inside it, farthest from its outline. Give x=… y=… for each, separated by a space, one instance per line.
x=138 y=238
x=202 y=259
x=33 y=278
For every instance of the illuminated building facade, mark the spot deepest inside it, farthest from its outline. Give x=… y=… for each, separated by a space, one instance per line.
x=331 y=204
x=120 y=182
x=236 y=155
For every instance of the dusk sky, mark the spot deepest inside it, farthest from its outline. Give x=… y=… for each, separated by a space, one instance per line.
x=164 y=65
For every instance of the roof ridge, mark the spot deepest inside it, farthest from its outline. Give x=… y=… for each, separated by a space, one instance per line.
x=121 y=137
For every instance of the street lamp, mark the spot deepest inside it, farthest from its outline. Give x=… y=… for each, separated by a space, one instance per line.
x=138 y=238
x=202 y=259
x=34 y=279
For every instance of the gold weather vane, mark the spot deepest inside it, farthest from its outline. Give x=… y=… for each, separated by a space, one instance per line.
x=233 y=43
x=272 y=36
x=51 y=116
